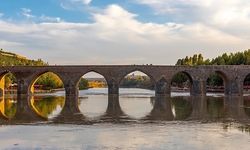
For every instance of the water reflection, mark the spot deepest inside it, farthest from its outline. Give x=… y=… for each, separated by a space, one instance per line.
x=136 y=103
x=160 y=118
x=161 y=109
x=8 y=105
x=93 y=106
x=215 y=107
x=247 y=105
x=181 y=107
x=47 y=106
x=98 y=107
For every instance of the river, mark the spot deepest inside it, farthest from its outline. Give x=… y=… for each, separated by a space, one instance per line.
x=213 y=122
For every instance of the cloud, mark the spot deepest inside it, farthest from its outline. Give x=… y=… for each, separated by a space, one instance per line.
x=44 y=18
x=86 y=2
x=116 y=36
x=27 y=13
x=231 y=16
x=1 y=15
x=75 y=4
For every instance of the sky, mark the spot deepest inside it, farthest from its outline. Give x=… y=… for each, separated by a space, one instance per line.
x=159 y=32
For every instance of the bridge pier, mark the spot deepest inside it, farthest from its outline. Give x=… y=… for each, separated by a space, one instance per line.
x=113 y=87
x=162 y=88
x=71 y=99
x=198 y=88
x=234 y=88
x=114 y=107
x=71 y=112
x=23 y=87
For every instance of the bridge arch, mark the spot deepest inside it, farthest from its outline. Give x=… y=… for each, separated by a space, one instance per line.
x=246 y=83
x=134 y=84
x=37 y=75
x=182 y=81
x=95 y=71
x=8 y=101
x=93 y=93
x=46 y=106
x=127 y=72
x=221 y=81
x=139 y=73
x=10 y=76
x=2 y=75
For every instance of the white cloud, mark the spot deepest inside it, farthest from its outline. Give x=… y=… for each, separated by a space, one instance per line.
x=50 y=19
x=86 y=2
x=117 y=37
x=230 y=16
x=75 y=4
x=27 y=13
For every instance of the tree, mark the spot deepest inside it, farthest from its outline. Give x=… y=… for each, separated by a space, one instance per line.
x=83 y=84
x=200 y=59
x=195 y=59
x=239 y=58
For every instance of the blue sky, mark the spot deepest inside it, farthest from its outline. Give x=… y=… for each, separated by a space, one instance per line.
x=123 y=31
x=73 y=10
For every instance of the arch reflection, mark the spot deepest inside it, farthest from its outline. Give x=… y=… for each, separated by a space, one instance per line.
x=135 y=92
x=181 y=107
x=93 y=94
x=215 y=107
x=47 y=106
x=164 y=108
x=8 y=106
x=247 y=105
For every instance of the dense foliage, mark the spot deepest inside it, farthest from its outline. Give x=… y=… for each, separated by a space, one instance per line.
x=11 y=59
x=180 y=80
x=48 y=80
x=137 y=81
x=239 y=58
x=83 y=84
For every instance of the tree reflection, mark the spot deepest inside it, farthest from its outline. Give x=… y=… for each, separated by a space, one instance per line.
x=46 y=106
x=247 y=105
x=215 y=107
x=181 y=107
x=8 y=107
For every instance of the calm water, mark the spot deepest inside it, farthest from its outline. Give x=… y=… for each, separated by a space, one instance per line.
x=214 y=122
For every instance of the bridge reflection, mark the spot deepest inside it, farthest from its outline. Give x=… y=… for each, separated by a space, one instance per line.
x=50 y=109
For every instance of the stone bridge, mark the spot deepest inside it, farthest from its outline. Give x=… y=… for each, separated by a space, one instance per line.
x=161 y=76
